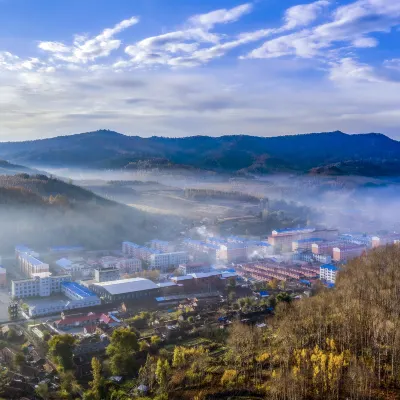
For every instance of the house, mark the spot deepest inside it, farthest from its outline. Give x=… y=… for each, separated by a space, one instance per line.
x=77 y=320
x=89 y=329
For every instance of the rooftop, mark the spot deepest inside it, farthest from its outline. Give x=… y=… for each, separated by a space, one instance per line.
x=41 y=275
x=78 y=289
x=166 y=284
x=292 y=231
x=182 y=278
x=312 y=240
x=330 y=267
x=30 y=259
x=22 y=248
x=61 y=249
x=159 y=241
x=200 y=275
x=127 y=285
x=131 y=244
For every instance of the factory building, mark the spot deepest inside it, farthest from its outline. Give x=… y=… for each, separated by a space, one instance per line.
x=126 y=289
x=41 y=284
x=77 y=292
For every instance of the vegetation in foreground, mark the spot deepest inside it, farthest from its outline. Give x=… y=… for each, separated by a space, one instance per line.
x=339 y=344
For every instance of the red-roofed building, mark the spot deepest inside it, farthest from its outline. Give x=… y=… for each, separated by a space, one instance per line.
x=68 y=322
x=89 y=329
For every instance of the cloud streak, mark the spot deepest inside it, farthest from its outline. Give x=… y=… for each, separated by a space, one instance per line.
x=208 y=75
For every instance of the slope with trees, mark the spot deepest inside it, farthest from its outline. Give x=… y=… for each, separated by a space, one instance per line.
x=241 y=153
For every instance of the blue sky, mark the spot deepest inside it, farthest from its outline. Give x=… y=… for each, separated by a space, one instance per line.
x=178 y=68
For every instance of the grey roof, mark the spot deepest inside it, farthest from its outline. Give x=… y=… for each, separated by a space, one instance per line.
x=127 y=285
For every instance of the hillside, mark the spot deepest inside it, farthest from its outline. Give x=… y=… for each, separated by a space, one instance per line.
x=7 y=168
x=296 y=153
x=43 y=212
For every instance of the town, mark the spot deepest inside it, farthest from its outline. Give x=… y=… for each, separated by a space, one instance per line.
x=165 y=290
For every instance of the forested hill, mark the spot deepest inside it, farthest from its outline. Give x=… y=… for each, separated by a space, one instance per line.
x=42 y=212
x=296 y=153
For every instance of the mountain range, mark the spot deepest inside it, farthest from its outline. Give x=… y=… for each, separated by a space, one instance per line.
x=330 y=153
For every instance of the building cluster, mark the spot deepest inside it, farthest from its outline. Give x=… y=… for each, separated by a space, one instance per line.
x=270 y=270
x=79 y=267
x=70 y=280
x=158 y=256
x=229 y=250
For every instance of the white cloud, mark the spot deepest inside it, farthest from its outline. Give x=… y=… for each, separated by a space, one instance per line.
x=349 y=24
x=67 y=83
x=54 y=47
x=11 y=62
x=365 y=42
x=222 y=16
x=394 y=64
x=350 y=69
x=85 y=50
x=188 y=47
x=303 y=14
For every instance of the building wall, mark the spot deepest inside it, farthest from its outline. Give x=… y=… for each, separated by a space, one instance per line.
x=138 y=295
x=38 y=286
x=106 y=275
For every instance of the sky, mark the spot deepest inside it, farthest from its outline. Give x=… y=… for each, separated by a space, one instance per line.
x=198 y=67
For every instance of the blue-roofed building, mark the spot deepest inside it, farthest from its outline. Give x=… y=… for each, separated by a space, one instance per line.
x=328 y=273
x=66 y=249
x=75 y=291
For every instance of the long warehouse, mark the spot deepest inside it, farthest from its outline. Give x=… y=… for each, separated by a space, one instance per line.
x=126 y=289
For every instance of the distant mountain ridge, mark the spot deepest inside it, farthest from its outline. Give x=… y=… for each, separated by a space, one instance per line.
x=232 y=154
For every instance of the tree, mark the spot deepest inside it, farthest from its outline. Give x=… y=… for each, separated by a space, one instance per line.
x=155 y=340
x=60 y=350
x=273 y=283
x=11 y=334
x=163 y=371
x=122 y=348
x=97 y=384
x=69 y=385
x=284 y=297
x=42 y=390
x=19 y=360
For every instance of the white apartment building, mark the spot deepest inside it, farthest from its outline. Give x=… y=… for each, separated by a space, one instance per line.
x=165 y=260
x=76 y=267
x=30 y=265
x=131 y=249
x=328 y=273
x=130 y=265
x=162 y=246
x=41 y=284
